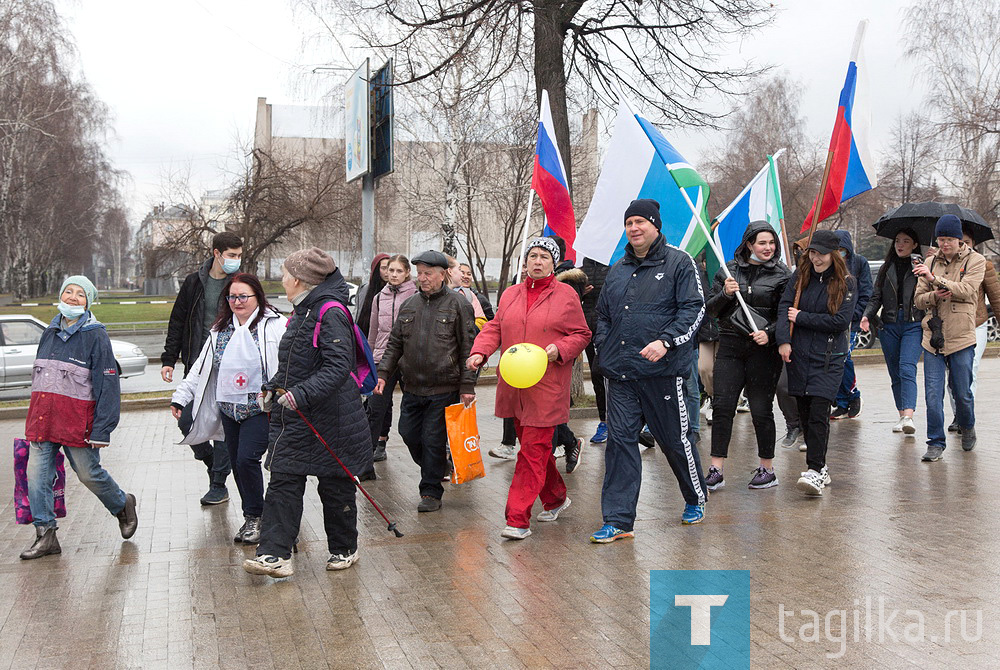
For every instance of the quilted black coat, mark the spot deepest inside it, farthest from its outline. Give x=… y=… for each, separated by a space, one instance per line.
x=319 y=379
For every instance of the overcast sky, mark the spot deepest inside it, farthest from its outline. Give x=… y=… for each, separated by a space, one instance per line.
x=182 y=78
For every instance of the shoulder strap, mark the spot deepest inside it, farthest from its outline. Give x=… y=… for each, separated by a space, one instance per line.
x=322 y=311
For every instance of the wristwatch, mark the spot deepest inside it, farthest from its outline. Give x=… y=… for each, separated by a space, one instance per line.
x=666 y=344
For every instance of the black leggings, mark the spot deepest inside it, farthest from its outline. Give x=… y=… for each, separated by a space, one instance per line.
x=597 y=379
x=742 y=364
x=814 y=417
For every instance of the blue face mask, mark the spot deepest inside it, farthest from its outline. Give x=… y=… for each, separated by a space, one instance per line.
x=755 y=258
x=71 y=311
x=230 y=265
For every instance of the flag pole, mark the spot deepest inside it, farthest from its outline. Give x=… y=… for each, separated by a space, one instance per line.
x=718 y=254
x=524 y=235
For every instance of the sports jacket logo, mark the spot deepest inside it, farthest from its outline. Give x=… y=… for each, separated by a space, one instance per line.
x=659 y=276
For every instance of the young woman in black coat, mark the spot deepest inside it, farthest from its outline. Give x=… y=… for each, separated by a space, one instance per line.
x=814 y=341
x=315 y=359
x=747 y=358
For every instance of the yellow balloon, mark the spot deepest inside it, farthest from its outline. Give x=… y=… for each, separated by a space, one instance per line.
x=523 y=365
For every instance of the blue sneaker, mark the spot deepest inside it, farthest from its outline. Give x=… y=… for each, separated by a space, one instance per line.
x=693 y=514
x=601 y=435
x=609 y=533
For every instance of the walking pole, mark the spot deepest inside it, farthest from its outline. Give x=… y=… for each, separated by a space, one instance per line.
x=524 y=235
x=357 y=482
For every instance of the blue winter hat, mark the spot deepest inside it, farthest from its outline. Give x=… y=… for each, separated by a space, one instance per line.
x=88 y=287
x=948 y=225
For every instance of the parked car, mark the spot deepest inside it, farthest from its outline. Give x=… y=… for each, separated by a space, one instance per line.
x=19 y=337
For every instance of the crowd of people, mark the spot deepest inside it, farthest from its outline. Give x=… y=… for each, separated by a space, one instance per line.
x=262 y=391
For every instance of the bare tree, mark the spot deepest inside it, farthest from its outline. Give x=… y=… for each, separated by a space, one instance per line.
x=662 y=52
x=907 y=173
x=955 y=44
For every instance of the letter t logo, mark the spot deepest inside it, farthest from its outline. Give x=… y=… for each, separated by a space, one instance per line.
x=701 y=615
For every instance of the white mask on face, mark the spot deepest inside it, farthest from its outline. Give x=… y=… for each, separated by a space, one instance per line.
x=71 y=311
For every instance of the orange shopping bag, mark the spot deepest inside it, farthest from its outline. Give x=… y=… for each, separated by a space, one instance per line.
x=463 y=440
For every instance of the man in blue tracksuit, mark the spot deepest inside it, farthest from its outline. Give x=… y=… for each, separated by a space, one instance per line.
x=848 y=404
x=650 y=309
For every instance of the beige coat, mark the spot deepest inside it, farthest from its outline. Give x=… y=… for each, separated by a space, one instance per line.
x=963 y=276
x=990 y=288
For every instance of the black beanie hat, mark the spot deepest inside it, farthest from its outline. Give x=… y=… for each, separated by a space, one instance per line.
x=647 y=208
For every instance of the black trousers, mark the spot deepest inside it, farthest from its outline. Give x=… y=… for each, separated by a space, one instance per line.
x=247 y=442
x=283 y=514
x=509 y=433
x=786 y=403
x=661 y=401
x=215 y=455
x=814 y=417
x=563 y=435
x=422 y=427
x=597 y=379
x=380 y=410
x=741 y=364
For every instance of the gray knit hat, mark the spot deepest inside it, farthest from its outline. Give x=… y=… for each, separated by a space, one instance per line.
x=84 y=283
x=546 y=243
x=310 y=266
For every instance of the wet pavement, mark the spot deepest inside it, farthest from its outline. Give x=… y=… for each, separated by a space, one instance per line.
x=890 y=534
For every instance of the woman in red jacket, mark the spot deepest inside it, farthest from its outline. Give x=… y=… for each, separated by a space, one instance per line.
x=542 y=311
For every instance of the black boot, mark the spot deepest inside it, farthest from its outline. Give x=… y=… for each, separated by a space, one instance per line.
x=45 y=543
x=380 y=451
x=368 y=475
x=128 y=520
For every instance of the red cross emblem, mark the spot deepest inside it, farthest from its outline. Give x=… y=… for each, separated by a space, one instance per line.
x=241 y=381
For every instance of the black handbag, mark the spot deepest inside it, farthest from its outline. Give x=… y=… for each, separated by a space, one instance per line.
x=741 y=323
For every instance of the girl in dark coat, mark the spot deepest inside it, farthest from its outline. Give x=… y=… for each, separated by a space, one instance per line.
x=813 y=340
x=316 y=379
x=747 y=360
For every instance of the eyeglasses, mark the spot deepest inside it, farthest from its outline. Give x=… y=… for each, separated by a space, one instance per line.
x=242 y=298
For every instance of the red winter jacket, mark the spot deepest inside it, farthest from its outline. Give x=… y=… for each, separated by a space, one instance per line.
x=555 y=318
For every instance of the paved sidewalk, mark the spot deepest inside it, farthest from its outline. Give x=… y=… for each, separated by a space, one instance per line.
x=452 y=594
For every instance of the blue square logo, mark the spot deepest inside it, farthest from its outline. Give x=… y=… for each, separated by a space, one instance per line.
x=699 y=619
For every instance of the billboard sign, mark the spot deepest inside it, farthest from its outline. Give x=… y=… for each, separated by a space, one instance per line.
x=357 y=127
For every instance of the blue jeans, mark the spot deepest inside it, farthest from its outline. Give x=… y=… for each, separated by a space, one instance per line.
x=901 y=349
x=959 y=366
x=848 y=390
x=86 y=462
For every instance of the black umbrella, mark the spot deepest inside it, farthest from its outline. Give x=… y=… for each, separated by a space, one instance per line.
x=922 y=216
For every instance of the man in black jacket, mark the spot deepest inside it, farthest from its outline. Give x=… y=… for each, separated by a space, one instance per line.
x=429 y=343
x=190 y=320
x=849 y=401
x=650 y=309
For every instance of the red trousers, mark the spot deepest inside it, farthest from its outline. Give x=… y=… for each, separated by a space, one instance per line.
x=535 y=475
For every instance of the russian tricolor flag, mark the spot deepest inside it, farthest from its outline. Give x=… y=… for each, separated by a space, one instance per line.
x=549 y=181
x=852 y=169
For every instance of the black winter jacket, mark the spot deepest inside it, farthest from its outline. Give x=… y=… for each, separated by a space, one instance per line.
x=596 y=274
x=761 y=286
x=430 y=342
x=859 y=268
x=320 y=380
x=186 y=331
x=656 y=298
x=820 y=341
x=886 y=293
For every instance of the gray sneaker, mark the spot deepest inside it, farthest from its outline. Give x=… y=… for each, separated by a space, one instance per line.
x=512 y=533
x=933 y=453
x=714 y=480
x=553 y=514
x=969 y=438
x=763 y=478
x=506 y=452
x=791 y=438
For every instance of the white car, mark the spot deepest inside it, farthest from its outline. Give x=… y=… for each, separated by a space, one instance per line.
x=19 y=337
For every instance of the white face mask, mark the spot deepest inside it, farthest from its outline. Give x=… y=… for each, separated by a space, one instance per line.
x=230 y=265
x=71 y=311
x=754 y=257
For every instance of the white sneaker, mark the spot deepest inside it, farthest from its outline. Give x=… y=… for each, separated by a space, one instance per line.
x=898 y=428
x=802 y=447
x=341 y=561
x=906 y=425
x=811 y=483
x=506 y=452
x=553 y=514
x=515 y=533
x=744 y=405
x=268 y=565
x=560 y=452
x=706 y=411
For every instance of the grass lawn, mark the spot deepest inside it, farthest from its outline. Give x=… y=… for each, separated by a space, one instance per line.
x=105 y=312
